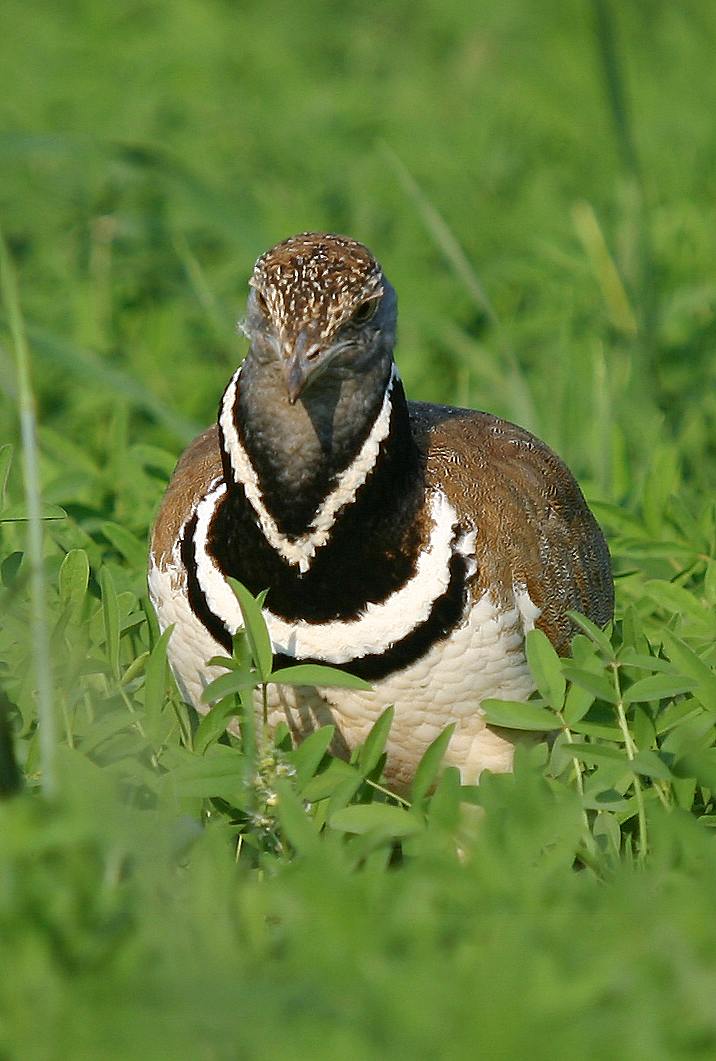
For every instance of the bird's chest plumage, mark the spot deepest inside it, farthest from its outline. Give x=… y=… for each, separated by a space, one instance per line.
x=429 y=646
x=360 y=562
x=367 y=602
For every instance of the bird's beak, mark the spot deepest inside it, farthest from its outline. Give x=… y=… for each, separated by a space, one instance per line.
x=300 y=358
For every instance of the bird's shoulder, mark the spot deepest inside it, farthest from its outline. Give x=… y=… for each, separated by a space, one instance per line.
x=534 y=527
x=479 y=450
x=197 y=468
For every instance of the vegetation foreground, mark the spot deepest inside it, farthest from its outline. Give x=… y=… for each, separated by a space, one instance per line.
x=166 y=890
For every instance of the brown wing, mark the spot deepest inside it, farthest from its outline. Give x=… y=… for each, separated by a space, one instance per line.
x=533 y=525
x=198 y=466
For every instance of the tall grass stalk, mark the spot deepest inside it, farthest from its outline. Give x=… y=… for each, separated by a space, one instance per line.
x=444 y=238
x=609 y=58
x=35 y=535
x=448 y=244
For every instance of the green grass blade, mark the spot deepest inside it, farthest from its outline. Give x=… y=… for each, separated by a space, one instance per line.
x=381 y=819
x=317 y=674
x=35 y=535
x=546 y=668
x=308 y=755
x=234 y=681
x=110 y=614
x=375 y=742
x=86 y=366
x=74 y=579
x=443 y=237
x=430 y=763
x=213 y=724
x=5 y=462
x=256 y=632
x=126 y=543
x=513 y=714
x=299 y=828
x=594 y=633
x=155 y=687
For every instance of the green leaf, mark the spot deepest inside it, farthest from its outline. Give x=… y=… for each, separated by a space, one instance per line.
x=546 y=668
x=429 y=766
x=676 y=599
x=18 y=513
x=513 y=714
x=110 y=613
x=342 y=793
x=594 y=633
x=155 y=686
x=227 y=662
x=241 y=650
x=595 y=683
x=248 y=724
x=317 y=674
x=634 y=639
x=608 y=800
x=11 y=779
x=308 y=755
x=126 y=543
x=299 y=828
x=154 y=457
x=649 y=764
x=629 y=658
x=601 y=730
x=73 y=579
x=658 y=687
x=9 y=567
x=381 y=818
x=607 y=828
x=676 y=713
x=681 y=514
x=598 y=753
x=576 y=703
x=700 y=764
x=643 y=549
x=137 y=666
x=213 y=724
x=617 y=518
x=445 y=805
x=229 y=684
x=374 y=744
x=337 y=773
x=108 y=726
x=710 y=581
x=692 y=665
x=67 y=453
x=256 y=631
x=220 y=774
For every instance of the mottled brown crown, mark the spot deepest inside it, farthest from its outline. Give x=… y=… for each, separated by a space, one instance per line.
x=316 y=276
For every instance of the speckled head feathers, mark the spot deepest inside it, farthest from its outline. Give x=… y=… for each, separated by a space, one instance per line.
x=316 y=276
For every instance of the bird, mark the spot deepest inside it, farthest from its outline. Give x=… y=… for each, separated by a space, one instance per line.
x=411 y=544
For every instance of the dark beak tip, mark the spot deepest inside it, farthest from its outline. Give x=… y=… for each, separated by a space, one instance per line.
x=295 y=378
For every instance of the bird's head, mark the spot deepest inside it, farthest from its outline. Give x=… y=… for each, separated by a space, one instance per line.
x=319 y=309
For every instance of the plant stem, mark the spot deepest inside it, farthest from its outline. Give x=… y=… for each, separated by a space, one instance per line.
x=631 y=750
x=35 y=542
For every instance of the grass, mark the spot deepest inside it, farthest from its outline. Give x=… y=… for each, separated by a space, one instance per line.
x=540 y=194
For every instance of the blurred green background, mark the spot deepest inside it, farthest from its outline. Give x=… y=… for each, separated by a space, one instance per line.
x=151 y=150
x=537 y=180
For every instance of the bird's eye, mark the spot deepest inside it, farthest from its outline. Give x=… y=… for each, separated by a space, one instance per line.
x=365 y=311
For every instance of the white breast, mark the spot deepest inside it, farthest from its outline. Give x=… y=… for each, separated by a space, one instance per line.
x=482 y=658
